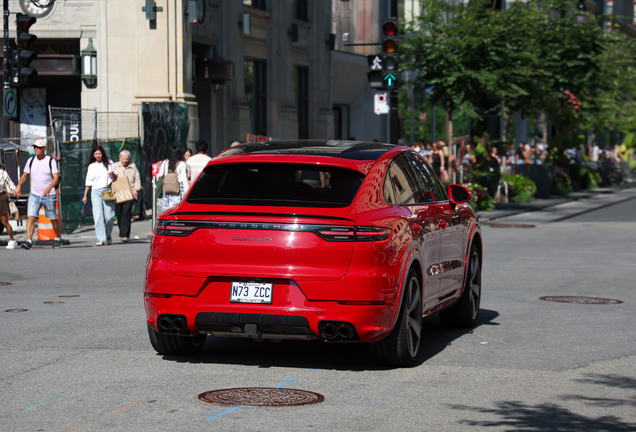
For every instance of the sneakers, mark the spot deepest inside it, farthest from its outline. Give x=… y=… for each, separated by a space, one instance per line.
x=100 y=244
x=27 y=245
x=109 y=241
x=57 y=244
x=11 y=244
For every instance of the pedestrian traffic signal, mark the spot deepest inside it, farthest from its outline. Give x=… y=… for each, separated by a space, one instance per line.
x=22 y=73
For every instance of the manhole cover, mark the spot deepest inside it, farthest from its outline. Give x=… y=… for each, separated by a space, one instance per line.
x=69 y=296
x=580 y=300
x=5 y=283
x=512 y=226
x=53 y=302
x=261 y=396
x=17 y=310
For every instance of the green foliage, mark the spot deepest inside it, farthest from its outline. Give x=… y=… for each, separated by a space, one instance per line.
x=521 y=188
x=561 y=185
x=480 y=199
x=590 y=179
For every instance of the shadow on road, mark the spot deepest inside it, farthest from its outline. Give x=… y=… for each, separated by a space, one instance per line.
x=320 y=355
x=516 y=415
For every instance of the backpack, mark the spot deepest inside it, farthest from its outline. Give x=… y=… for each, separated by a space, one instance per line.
x=171 y=183
x=30 y=162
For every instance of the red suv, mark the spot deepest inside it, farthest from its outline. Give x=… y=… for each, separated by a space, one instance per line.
x=332 y=240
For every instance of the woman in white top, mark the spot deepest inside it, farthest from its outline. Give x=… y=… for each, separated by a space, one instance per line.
x=101 y=173
x=6 y=187
x=175 y=164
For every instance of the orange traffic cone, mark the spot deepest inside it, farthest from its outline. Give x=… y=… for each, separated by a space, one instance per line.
x=45 y=227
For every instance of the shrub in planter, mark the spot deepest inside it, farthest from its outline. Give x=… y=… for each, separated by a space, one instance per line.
x=590 y=179
x=521 y=189
x=480 y=199
x=561 y=185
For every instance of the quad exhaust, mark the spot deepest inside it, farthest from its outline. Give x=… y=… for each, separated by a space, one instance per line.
x=337 y=331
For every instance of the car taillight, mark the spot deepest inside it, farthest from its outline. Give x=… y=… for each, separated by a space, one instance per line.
x=174 y=228
x=358 y=234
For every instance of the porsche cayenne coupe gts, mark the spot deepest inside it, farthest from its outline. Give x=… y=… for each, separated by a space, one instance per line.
x=337 y=241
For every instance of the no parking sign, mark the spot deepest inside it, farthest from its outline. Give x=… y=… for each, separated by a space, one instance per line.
x=381 y=103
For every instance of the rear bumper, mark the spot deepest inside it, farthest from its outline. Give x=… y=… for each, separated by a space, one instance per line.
x=290 y=316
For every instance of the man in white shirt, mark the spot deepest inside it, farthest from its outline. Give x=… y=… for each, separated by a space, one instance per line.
x=196 y=163
x=44 y=180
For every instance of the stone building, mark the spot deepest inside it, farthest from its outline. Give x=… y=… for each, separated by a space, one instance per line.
x=242 y=66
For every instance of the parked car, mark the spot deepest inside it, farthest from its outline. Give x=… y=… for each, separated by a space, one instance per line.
x=337 y=241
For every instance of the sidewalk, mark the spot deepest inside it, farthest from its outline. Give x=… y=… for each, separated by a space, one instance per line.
x=503 y=210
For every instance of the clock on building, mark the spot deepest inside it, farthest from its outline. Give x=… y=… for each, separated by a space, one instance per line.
x=37 y=8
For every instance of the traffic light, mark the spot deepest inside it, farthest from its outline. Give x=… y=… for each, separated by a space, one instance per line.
x=22 y=73
x=390 y=53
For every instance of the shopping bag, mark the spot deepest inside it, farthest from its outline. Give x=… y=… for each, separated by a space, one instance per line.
x=122 y=190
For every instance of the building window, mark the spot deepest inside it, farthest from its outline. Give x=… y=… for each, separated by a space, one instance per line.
x=300 y=10
x=301 y=96
x=256 y=95
x=258 y=4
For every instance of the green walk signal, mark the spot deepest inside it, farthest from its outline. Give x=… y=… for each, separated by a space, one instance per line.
x=389 y=80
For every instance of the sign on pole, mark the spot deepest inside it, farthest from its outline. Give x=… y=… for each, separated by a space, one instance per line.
x=10 y=103
x=381 y=103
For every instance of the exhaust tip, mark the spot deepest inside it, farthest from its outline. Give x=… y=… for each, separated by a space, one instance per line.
x=345 y=331
x=180 y=324
x=329 y=331
x=164 y=323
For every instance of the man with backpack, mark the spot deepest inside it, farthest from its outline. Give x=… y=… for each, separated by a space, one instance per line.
x=44 y=180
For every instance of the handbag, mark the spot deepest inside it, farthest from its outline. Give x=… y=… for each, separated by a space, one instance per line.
x=121 y=189
x=13 y=209
x=108 y=194
x=171 y=183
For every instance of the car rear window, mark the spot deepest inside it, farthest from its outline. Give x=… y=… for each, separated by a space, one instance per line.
x=276 y=184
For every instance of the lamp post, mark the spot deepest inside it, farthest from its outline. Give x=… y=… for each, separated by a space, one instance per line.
x=89 y=65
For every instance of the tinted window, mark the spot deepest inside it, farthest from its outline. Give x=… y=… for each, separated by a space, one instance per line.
x=405 y=186
x=426 y=179
x=273 y=184
x=389 y=193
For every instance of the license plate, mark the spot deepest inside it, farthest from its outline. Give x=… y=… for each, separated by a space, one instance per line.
x=251 y=292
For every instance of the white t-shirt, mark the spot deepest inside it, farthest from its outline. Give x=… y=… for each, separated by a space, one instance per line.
x=41 y=174
x=97 y=175
x=196 y=164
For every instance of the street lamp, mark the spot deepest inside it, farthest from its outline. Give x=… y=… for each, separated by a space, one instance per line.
x=89 y=65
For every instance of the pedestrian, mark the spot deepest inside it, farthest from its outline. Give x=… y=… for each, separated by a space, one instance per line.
x=520 y=154
x=177 y=166
x=187 y=154
x=6 y=187
x=197 y=162
x=594 y=153
x=124 y=210
x=438 y=161
x=44 y=179
x=101 y=173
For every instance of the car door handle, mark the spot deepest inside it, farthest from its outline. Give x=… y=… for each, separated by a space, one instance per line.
x=443 y=224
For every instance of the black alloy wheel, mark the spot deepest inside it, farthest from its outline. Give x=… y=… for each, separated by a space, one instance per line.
x=400 y=348
x=175 y=345
x=464 y=313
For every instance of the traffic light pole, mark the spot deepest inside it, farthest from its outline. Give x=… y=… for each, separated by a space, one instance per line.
x=6 y=61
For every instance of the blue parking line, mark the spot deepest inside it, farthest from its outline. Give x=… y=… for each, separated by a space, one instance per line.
x=287 y=382
x=35 y=406
x=224 y=412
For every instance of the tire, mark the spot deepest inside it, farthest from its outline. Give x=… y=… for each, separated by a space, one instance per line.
x=175 y=345
x=400 y=348
x=464 y=313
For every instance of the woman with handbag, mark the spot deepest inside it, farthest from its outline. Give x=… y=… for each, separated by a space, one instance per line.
x=101 y=173
x=7 y=207
x=123 y=210
x=175 y=179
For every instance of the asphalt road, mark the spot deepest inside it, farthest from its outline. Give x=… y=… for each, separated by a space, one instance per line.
x=530 y=365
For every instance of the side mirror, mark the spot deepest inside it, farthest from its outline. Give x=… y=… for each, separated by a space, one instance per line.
x=458 y=194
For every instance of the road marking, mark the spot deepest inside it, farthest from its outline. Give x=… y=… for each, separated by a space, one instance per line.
x=287 y=382
x=121 y=409
x=68 y=430
x=40 y=404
